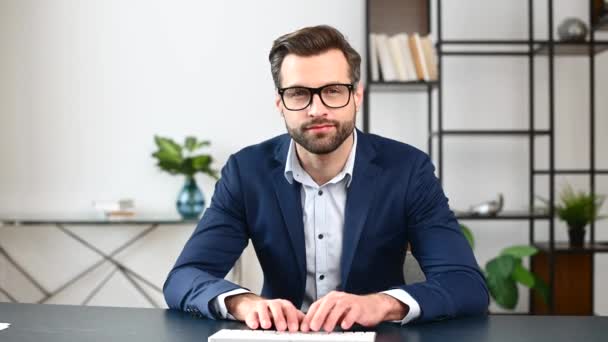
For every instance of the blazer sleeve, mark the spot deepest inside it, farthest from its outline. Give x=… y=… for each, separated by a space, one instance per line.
x=455 y=285
x=212 y=250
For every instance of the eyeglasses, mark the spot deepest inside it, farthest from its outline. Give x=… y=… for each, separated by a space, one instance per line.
x=335 y=95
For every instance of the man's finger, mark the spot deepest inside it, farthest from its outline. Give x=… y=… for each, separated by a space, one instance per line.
x=305 y=325
x=262 y=310
x=252 y=320
x=337 y=312
x=277 y=315
x=349 y=319
x=291 y=315
x=320 y=315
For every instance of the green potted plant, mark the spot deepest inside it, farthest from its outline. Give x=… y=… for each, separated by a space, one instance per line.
x=577 y=209
x=182 y=159
x=505 y=271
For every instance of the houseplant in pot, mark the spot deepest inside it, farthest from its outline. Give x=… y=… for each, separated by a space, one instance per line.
x=184 y=160
x=505 y=271
x=577 y=209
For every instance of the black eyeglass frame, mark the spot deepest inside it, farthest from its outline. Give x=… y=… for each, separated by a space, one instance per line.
x=318 y=90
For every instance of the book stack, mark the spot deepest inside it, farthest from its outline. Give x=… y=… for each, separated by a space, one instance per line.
x=115 y=209
x=402 y=58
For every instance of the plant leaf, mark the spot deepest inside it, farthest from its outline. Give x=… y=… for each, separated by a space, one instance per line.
x=466 y=231
x=170 y=167
x=187 y=167
x=201 y=162
x=541 y=288
x=168 y=145
x=519 y=251
x=190 y=143
x=504 y=291
x=501 y=266
x=167 y=156
x=522 y=275
x=202 y=144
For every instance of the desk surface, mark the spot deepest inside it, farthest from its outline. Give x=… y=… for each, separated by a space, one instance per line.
x=55 y=323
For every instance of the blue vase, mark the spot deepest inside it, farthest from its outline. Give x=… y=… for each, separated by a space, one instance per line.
x=190 y=201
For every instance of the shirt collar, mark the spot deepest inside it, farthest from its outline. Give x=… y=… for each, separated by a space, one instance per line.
x=292 y=164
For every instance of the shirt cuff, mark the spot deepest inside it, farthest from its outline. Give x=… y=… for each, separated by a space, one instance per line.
x=219 y=303
x=405 y=298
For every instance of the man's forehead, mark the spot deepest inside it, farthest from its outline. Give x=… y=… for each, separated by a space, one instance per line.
x=313 y=71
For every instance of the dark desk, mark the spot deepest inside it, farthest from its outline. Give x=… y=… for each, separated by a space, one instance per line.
x=58 y=323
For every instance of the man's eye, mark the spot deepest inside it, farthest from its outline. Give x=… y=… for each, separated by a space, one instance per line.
x=296 y=93
x=333 y=91
x=299 y=93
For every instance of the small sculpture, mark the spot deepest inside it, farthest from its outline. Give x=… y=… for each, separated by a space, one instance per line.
x=572 y=30
x=489 y=208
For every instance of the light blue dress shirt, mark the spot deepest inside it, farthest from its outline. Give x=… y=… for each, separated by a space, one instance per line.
x=323 y=217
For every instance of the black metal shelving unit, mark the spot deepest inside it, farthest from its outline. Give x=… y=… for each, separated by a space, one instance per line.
x=531 y=49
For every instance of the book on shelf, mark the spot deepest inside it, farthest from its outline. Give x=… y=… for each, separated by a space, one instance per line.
x=387 y=69
x=402 y=57
x=373 y=57
x=407 y=56
x=397 y=57
x=430 y=56
x=420 y=61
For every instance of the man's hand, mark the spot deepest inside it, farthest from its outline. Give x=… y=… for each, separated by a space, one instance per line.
x=347 y=309
x=258 y=312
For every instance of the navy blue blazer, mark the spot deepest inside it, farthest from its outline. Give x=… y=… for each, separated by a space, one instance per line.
x=394 y=198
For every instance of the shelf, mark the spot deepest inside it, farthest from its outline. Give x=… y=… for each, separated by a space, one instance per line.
x=504 y=216
x=572 y=48
x=415 y=86
x=493 y=47
x=481 y=132
x=510 y=42
x=571 y=172
x=564 y=247
x=499 y=47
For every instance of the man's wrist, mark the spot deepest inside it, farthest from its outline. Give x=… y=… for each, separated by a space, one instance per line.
x=394 y=309
x=234 y=303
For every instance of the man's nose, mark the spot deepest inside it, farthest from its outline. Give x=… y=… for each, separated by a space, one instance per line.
x=317 y=108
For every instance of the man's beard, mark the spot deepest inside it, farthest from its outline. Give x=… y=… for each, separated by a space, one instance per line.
x=322 y=142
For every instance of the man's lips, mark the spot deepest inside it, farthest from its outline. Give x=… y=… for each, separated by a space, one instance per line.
x=319 y=127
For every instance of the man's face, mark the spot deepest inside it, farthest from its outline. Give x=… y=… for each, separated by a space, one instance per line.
x=317 y=128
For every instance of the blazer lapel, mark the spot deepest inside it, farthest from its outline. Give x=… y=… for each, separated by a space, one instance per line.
x=360 y=197
x=290 y=203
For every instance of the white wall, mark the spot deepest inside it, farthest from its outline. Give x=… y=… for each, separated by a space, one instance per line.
x=86 y=84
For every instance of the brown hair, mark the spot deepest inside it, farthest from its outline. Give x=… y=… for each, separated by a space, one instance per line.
x=311 y=41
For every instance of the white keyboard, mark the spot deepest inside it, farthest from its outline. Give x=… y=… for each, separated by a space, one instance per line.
x=229 y=335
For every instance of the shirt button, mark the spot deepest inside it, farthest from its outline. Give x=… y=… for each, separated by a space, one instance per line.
x=320 y=192
x=321 y=277
x=320 y=236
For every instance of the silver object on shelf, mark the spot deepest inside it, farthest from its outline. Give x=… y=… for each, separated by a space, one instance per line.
x=572 y=30
x=489 y=208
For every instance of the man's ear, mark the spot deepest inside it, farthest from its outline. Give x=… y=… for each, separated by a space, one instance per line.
x=278 y=103
x=359 y=95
